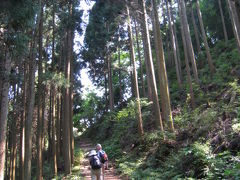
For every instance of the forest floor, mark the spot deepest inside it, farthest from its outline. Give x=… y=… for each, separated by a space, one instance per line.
x=85 y=145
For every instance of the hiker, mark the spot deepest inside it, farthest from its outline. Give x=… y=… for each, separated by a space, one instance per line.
x=95 y=164
x=103 y=157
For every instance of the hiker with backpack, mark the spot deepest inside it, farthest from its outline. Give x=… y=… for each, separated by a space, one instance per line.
x=96 y=165
x=103 y=158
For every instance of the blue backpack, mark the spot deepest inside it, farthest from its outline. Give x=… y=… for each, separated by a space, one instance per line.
x=103 y=156
x=95 y=162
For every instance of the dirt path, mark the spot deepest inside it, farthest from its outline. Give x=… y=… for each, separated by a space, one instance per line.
x=86 y=146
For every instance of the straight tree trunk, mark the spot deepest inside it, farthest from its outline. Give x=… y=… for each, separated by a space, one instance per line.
x=195 y=30
x=106 y=91
x=188 y=40
x=140 y=61
x=1 y=80
x=120 y=76
x=13 y=137
x=53 y=88
x=4 y=112
x=176 y=38
x=29 y=117
x=40 y=100
x=50 y=124
x=149 y=88
x=110 y=85
x=22 y=128
x=132 y=53
x=209 y=57
x=162 y=72
x=66 y=125
x=189 y=79
x=170 y=61
x=235 y=21
x=148 y=55
x=223 y=21
x=71 y=100
x=54 y=133
x=173 y=40
x=58 y=127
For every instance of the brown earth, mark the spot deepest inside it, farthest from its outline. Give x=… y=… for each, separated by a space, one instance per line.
x=109 y=174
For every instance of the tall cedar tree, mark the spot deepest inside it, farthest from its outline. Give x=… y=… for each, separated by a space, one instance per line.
x=162 y=72
x=135 y=78
x=148 y=56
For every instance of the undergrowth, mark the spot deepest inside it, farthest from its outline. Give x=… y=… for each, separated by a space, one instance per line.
x=206 y=144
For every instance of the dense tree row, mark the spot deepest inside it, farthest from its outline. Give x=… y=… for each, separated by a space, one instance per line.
x=118 y=32
x=130 y=49
x=36 y=89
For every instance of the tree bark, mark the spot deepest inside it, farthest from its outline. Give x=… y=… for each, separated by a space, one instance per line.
x=110 y=85
x=4 y=111
x=54 y=149
x=54 y=133
x=195 y=30
x=173 y=40
x=223 y=21
x=188 y=40
x=136 y=90
x=13 y=155
x=162 y=72
x=120 y=76
x=29 y=118
x=189 y=79
x=66 y=125
x=22 y=128
x=71 y=109
x=209 y=57
x=40 y=100
x=149 y=88
x=148 y=55
x=176 y=38
x=140 y=60
x=235 y=21
x=58 y=126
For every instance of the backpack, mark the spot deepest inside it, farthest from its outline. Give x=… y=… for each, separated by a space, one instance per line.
x=103 y=156
x=95 y=162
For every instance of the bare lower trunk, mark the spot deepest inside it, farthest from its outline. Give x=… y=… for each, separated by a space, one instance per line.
x=58 y=127
x=235 y=21
x=54 y=149
x=110 y=85
x=140 y=61
x=195 y=31
x=223 y=21
x=71 y=100
x=132 y=53
x=162 y=73
x=188 y=68
x=173 y=40
x=13 y=138
x=40 y=102
x=66 y=125
x=54 y=154
x=4 y=112
x=29 y=118
x=22 y=128
x=120 y=77
x=176 y=38
x=209 y=57
x=148 y=55
x=188 y=40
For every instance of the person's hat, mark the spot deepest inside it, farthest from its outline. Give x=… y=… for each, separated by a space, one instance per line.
x=99 y=146
x=92 y=153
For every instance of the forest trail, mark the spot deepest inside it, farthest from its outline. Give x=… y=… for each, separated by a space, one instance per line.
x=86 y=146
